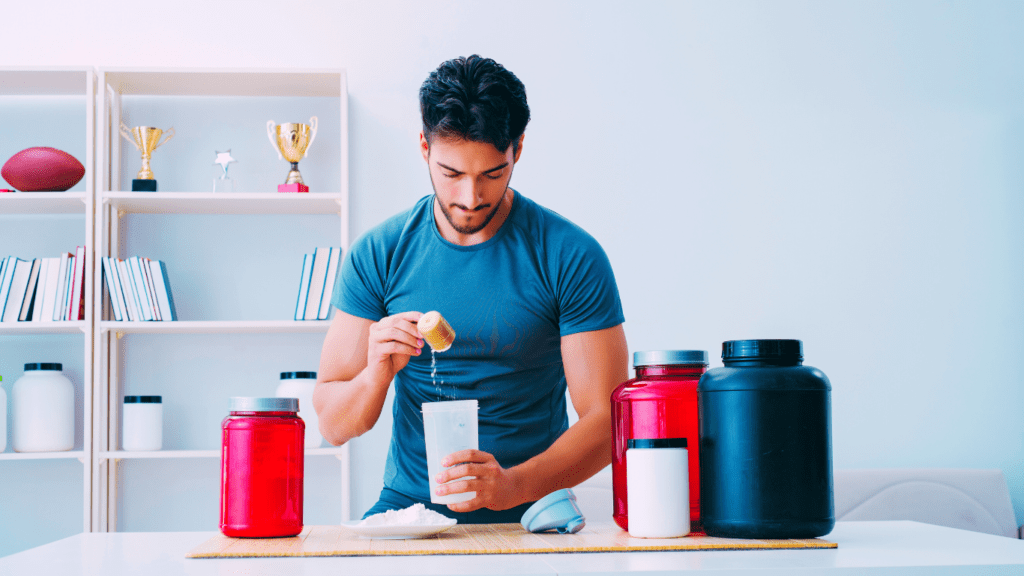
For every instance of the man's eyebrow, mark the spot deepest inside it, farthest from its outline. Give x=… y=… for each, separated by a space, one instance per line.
x=495 y=169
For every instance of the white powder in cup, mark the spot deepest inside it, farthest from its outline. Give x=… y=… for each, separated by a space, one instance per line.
x=415 y=515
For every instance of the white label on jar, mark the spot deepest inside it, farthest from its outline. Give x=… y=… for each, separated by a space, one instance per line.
x=143 y=426
x=657 y=492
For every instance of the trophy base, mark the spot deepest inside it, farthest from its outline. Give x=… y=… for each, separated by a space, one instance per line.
x=223 y=184
x=297 y=187
x=143 y=185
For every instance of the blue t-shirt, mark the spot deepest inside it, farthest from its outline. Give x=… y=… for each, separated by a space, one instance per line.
x=509 y=300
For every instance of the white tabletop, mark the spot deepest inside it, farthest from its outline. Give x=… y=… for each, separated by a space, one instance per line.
x=868 y=548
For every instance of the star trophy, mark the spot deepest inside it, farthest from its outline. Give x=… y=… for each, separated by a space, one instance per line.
x=146 y=140
x=224 y=184
x=292 y=142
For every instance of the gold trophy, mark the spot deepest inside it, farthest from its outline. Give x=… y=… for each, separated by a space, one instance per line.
x=146 y=140
x=292 y=142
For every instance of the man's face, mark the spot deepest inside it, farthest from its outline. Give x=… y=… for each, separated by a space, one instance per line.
x=470 y=180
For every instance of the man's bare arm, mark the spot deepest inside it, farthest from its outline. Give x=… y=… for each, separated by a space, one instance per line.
x=359 y=359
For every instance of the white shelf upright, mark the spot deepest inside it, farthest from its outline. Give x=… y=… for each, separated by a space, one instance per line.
x=48 y=82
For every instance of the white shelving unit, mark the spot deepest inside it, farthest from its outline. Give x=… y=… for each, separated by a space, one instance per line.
x=113 y=204
x=23 y=82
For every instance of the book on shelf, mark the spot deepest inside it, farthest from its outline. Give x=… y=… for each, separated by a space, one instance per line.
x=321 y=256
x=50 y=289
x=16 y=287
x=300 y=302
x=128 y=288
x=332 y=273
x=164 y=296
x=76 y=303
x=139 y=290
x=30 y=291
x=42 y=289
x=316 y=285
x=108 y=278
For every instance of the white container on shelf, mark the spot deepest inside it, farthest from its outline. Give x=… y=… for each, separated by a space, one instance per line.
x=300 y=385
x=43 y=410
x=3 y=417
x=142 y=423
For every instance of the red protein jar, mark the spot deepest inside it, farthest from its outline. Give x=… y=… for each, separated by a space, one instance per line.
x=660 y=402
x=261 y=468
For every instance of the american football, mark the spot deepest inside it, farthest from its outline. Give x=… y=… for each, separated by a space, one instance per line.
x=42 y=169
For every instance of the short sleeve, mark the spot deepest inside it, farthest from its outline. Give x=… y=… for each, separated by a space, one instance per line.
x=588 y=298
x=359 y=287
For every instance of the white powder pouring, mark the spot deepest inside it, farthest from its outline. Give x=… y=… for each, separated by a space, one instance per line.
x=415 y=515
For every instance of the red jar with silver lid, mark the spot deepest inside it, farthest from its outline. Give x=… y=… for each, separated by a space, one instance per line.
x=660 y=402
x=262 y=468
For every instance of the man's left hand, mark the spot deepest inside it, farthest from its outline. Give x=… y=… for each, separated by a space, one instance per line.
x=496 y=488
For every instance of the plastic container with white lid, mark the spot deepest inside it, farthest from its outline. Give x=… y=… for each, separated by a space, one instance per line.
x=300 y=385
x=43 y=409
x=657 y=487
x=143 y=419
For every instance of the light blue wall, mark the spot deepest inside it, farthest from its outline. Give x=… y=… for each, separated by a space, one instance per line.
x=847 y=173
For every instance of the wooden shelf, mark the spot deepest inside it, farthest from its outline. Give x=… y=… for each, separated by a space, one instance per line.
x=21 y=328
x=223 y=202
x=80 y=454
x=42 y=203
x=125 y=455
x=216 y=327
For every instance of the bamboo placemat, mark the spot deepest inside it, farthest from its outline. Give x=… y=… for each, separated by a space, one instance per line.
x=476 y=539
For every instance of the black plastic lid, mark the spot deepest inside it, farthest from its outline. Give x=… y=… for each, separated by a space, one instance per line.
x=142 y=400
x=291 y=375
x=656 y=443
x=44 y=366
x=787 y=350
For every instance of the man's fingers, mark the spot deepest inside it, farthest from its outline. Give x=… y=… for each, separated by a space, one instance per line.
x=469 y=455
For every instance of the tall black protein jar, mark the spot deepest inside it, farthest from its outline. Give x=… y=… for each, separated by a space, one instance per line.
x=765 y=444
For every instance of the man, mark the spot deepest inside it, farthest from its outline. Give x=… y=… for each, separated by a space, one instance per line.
x=531 y=297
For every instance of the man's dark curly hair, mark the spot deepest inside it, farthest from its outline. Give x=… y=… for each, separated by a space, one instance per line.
x=474 y=99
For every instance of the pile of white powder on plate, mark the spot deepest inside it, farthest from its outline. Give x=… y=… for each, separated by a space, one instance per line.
x=415 y=515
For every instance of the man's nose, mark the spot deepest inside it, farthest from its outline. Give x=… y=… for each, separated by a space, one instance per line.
x=470 y=192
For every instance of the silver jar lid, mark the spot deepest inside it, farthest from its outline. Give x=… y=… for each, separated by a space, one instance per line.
x=249 y=404
x=669 y=357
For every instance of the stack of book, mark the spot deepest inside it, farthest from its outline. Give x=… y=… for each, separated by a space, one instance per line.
x=316 y=286
x=43 y=289
x=139 y=290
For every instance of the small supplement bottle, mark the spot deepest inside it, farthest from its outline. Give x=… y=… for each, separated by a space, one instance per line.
x=436 y=331
x=262 y=468
x=143 y=423
x=657 y=491
x=660 y=402
x=43 y=409
x=765 y=444
x=300 y=385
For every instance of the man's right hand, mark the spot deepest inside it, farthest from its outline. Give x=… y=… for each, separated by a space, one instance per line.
x=391 y=342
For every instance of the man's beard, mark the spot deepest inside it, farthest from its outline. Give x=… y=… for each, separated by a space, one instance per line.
x=467 y=230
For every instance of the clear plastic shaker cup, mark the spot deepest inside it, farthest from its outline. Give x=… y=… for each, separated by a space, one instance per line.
x=448 y=427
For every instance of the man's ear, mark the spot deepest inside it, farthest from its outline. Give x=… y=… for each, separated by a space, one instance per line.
x=424 y=148
x=519 y=149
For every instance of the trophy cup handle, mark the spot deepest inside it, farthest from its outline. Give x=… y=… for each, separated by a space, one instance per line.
x=312 y=136
x=167 y=138
x=126 y=133
x=273 y=141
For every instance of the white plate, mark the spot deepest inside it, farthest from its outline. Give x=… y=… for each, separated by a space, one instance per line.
x=398 y=532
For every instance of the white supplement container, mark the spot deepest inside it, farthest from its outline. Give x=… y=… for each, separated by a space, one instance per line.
x=142 y=423
x=43 y=410
x=300 y=385
x=3 y=417
x=657 y=488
